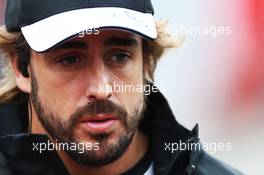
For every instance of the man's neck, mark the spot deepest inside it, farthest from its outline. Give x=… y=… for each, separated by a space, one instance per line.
x=135 y=152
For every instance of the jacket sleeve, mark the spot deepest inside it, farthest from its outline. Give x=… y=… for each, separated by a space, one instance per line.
x=4 y=168
x=208 y=165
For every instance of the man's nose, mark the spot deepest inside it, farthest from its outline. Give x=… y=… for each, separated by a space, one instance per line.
x=98 y=82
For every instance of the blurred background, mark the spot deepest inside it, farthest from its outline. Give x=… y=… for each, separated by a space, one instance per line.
x=216 y=77
x=217 y=80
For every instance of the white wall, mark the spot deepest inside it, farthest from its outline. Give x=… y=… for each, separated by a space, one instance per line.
x=198 y=80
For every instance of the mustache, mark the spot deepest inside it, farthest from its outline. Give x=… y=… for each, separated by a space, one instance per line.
x=99 y=107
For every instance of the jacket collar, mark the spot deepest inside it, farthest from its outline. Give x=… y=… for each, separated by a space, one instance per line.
x=22 y=158
x=159 y=124
x=164 y=132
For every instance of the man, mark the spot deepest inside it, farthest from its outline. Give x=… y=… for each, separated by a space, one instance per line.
x=79 y=104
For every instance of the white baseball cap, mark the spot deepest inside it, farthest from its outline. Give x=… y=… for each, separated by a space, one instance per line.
x=46 y=23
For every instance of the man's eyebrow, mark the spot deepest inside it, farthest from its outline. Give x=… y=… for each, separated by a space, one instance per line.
x=117 y=41
x=72 y=45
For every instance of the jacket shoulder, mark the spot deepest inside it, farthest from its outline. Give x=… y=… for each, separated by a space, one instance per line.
x=208 y=165
x=4 y=168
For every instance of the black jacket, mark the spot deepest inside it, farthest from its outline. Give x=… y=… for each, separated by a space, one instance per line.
x=17 y=157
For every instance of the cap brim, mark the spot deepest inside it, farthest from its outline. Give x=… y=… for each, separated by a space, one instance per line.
x=50 y=31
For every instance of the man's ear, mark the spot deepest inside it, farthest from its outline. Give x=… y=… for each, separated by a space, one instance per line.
x=23 y=82
x=145 y=69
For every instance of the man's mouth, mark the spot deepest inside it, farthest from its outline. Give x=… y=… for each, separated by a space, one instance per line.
x=99 y=123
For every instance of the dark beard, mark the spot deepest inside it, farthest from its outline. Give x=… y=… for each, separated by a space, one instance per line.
x=63 y=131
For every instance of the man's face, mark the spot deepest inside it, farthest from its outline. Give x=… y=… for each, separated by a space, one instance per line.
x=70 y=98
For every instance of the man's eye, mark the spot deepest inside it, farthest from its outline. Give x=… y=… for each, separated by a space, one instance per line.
x=70 y=61
x=120 y=58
